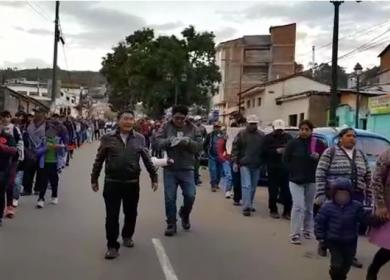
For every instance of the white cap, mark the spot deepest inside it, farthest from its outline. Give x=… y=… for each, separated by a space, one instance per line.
x=252 y=119
x=279 y=124
x=197 y=118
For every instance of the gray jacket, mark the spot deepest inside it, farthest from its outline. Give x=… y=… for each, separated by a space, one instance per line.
x=247 y=147
x=184 y=153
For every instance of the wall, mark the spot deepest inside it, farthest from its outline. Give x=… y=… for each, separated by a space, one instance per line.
x=295 y=107
x=384 y=78
x=318 y=110
x=269 y=111
x=385 y=61
x=379 y=124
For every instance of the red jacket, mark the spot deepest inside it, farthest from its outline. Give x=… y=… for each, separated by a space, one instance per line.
x=221 y=150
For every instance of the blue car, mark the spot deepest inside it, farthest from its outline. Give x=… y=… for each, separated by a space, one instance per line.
x=372 y=144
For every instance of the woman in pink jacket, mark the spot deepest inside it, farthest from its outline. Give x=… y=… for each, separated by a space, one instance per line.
x=381 y=236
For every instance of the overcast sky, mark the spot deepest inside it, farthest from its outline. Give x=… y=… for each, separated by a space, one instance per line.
x=92 y=28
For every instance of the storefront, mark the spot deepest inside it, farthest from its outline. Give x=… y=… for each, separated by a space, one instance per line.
x=379 y=115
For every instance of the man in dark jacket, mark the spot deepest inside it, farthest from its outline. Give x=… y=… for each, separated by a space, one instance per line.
x=182 y=141
x=121 y=152
x=210 y=148
x=337 y=227
x=246 y=157
x=273 y=149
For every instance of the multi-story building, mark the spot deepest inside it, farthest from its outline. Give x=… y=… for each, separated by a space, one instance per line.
x=250 y=60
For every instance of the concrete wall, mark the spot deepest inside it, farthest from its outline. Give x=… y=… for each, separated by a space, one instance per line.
x=318 y=110
x=385 y=61
x=379 y=124
x=269 y=111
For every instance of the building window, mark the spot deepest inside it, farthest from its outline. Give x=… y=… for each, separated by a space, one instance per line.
x=33 y=93
x=259 y=101
x=301 y=116
x=253 y=102
x=293 y=120
x=248 y=103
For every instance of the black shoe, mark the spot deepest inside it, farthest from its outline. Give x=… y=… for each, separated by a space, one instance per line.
x=253 y=209
x=286 y=217
x=274 y=215
x=246 y=212
x=370 y=274
x=322 y=250
x=356 y=263
x=128 y=242
x=185 y=220
x=236 y=203
x=111 y=254
x=171 y=230
x=25 y=194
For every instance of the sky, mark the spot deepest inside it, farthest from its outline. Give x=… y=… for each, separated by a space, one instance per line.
x=91 y=29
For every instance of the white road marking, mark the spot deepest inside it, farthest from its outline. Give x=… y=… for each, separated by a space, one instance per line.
x=164 y=260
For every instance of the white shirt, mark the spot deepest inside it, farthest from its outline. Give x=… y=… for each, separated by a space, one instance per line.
x=124 y=137
x=349 y=152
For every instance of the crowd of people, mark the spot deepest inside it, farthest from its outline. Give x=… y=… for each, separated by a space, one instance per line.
x=326 y=192
x=34 y=149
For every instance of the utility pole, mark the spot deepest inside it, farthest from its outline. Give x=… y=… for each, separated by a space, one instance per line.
x=313 y=60
x=38 y=89
x=56 y=39
x=333 y=91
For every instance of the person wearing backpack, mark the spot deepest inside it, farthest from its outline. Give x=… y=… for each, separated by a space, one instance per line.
x=301 y=158
x=344 y=161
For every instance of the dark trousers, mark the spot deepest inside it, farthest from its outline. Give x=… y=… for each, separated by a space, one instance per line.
x=196 y=171
x=341 y=257
x=278 y=186
x=3 y=187
x=380 y=259
x=48 y=174
x=28 y=178
x=114 y=194
x=236 y=186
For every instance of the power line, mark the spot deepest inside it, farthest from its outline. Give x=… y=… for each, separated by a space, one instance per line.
x=39 y=12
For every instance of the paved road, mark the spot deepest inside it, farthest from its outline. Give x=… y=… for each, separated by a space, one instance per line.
x=67 y=241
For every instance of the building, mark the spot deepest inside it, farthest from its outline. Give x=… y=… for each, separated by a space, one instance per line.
x=250 y=60
x=13 y=101
x=384 y=72
x=292 y=98
x=379 y=115
x=33 y=89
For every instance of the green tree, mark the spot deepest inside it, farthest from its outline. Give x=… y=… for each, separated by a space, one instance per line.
x=323 y=74
x=149 y=69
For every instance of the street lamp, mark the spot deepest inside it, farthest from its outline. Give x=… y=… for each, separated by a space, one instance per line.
x=358 y=71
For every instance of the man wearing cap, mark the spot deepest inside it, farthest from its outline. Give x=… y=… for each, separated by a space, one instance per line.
x=211 y=149
x=246 y=157
x=278 y=184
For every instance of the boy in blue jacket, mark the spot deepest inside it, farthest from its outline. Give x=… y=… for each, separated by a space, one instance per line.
x=337 y=227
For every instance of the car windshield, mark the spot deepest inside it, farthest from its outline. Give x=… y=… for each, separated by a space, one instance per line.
x=371 y=146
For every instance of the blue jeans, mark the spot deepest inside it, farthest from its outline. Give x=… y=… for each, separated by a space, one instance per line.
x=302 y=209
x=18 y=184
x=173 y=179
x=215 y=169
x=249 y=178
x=227 y=176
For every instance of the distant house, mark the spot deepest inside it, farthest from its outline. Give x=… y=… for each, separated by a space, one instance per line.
x=13 y=101
x=292 y=98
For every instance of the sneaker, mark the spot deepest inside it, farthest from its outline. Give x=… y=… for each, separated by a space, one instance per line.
x=274 y=215
x=296 y=240
x=26 y=194
x=40 y=204
x=214 y=189
x=253 y=209
x=128 y=242
x=10 y=212
x=228 y=195
x=54 y=201
x=171 y=230
x=307 y=235
x=322 y=250
x=246 y=212
x=111 y=254
x=356 y=263
x=236 y=203
x=185 y=220
x=15 y=203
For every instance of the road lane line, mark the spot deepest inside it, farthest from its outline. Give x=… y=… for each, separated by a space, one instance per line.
x=164 y=260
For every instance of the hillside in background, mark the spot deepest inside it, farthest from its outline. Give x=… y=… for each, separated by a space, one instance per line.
x=82 y=78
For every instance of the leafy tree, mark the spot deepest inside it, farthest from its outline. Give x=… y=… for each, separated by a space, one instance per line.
x=151 y=69
x=323 y=74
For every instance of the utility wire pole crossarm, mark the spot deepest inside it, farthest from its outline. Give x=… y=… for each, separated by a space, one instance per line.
x=56 y=39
